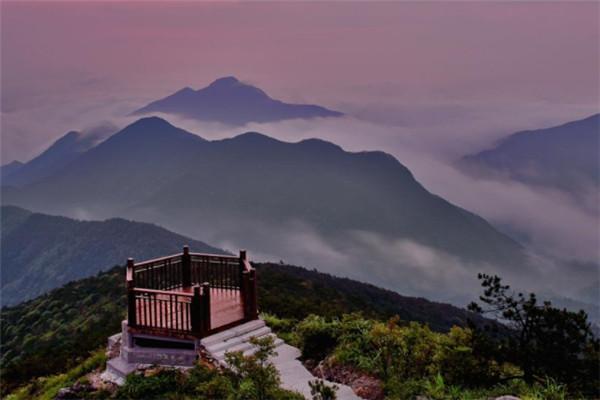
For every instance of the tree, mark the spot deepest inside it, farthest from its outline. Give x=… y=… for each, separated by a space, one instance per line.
x=544 y=341
x=254 y=376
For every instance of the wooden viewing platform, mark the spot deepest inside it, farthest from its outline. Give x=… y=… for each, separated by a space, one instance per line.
x=190 y=295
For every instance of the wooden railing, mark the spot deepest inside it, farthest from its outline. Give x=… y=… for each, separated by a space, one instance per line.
x=171 y=295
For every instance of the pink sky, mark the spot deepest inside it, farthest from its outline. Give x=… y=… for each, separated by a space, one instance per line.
x=58 y=56
x=426 y=82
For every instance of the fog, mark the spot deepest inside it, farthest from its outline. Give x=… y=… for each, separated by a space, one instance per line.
x=427 y=83
x=550 y=222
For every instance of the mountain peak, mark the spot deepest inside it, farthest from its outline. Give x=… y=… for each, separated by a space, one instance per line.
x=185 y=90
x=71 y=135
x=253 y=137
x=226 y=81
x=154 y=127
x=232 y=102
x=13 y=163
x=151 y=122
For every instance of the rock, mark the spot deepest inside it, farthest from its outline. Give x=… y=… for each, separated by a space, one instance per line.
x=113 y=348
x=81 y=387
x=64 y=393
x=366 y=386
x=76 y=391
x=507 y=398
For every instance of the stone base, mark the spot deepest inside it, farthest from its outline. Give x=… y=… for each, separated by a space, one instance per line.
x=132 y=357
x=117 y=369
x=159 y=356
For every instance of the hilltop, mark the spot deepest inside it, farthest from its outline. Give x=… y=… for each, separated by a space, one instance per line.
x=230 y=101
x=57 y=330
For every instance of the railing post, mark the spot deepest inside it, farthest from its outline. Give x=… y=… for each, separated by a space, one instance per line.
x=131 y=306
x=196 y=312
x=252 y=294
x=249 y=294
x=206 y=308
x=186 y=267
x=242 y=268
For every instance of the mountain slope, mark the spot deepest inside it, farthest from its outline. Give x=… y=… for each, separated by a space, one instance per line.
x=57 y=330
x=10 y=168
x=131 y=164
x=229 y=101
x=276 y=198
x=565 y=157
x=42 y=252
x=57 y=156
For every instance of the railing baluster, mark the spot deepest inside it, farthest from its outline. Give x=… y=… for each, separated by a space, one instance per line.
x=222 y=275
x=177 y=316
x=171 y=310
x=149 y=303
x=162 y=313
x=153 y=297
x=143 y=302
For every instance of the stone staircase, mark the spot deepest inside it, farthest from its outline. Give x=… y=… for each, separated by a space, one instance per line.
x=237 y=339
x=294 y=376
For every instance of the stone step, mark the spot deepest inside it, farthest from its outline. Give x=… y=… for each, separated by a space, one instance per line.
x=243 y=347
x=214 y=348
x=246 y=347
x=119 y=367
x=253 y=349
x=235 y=331
x=113 y=340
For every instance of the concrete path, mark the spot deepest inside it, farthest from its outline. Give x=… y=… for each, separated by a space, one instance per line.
x=294 y=376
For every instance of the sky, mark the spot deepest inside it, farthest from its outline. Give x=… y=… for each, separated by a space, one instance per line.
x=426 y=81
x=66 y=64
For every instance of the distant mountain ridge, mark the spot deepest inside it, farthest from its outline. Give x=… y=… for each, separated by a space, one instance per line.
x=41 y=252
x=231 y=102
x=10 y=168
x=255 y=190
x=64 y=150
x=565 y=157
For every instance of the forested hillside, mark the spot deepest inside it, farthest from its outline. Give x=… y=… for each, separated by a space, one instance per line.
x=58 y=330
x=41 y=252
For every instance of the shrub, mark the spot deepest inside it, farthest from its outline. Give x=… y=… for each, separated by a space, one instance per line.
x=321 y=391
x=317 y=337
x=254 y=376
x=548 y=390
x=138 y=386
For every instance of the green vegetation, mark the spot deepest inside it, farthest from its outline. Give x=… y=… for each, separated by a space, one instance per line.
x=320 y=391
x=543 y=340
x=470 y=362
x=56 y=331
x=411 y=360
x=249 y=378
x=59 y=250
x=46 y=388
x=409 y=345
